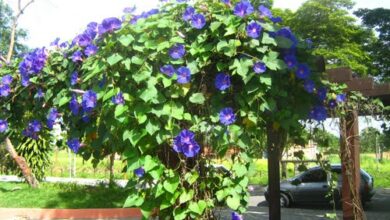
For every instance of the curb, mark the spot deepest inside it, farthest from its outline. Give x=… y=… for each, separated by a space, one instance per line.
x=46 y=214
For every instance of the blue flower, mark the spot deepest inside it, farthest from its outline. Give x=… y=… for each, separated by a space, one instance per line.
x=90 y=50
x=222 y=81
x=286 y=33
x=7 y=79
x=290 y=60
x=265 y=12
x=227 y=116
x=185 y=143
x=35 y=126
x=83 y=40
x=89 y=101
x=177 y=51
x=139 y=172
x=332 y=103
x=227 y=2
x=183 y=75
x=74 y=78
x=309 y=86
x=40 y=93
x=253 y=30
x=341 y=98
x=74 y=144
x=198 y=21
x=243 y=8
x=259 y=67
x=3 y=125
x=318 y=113
x=5 y=90
x=32 y=63
x=188 y=13
x=109 y=25
x=236 y=216
x=276 y=19
x=129 y=10
x=303 y=71
x=52 y=117
x=118 y=99
x=74 y=105
x=321 y=93
x=168 y=70
x=77 y=56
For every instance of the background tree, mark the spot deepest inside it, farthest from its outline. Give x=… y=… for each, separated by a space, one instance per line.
x=369 y=139
x=326 y=141
x=333 y=32
x=6 y=22
x=379 y=20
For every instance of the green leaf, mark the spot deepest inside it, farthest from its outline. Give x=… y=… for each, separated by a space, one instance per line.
x=120 y=109
x=268 y=40
x=134 y=136
x=197 y=98
x=239 y=169
x=186 y=196
x=171 y=184
x=113 y=59
x=110 y=94
x=148 y=93
x=233 y=202
x=126 y=40
x=266 y=80
x=149 y=163
x=179 y=214
x=215 y=25
x=191 y=177
x=137 y=60
x=152 y=126
x=64 y=100
x=133 y=201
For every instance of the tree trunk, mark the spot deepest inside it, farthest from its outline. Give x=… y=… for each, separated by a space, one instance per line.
x=112 y=161
x=21 y=162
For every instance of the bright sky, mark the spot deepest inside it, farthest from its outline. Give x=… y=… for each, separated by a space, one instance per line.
x=46 y=20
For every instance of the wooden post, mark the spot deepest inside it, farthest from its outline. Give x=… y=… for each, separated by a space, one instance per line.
x=349 y=148
x=275 y=141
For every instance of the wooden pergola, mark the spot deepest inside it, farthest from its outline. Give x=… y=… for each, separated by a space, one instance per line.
x=349 y=145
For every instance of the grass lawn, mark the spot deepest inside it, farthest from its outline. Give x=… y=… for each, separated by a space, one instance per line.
x=20 y=195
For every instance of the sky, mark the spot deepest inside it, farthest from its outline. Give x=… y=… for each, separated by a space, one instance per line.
x=46 y=20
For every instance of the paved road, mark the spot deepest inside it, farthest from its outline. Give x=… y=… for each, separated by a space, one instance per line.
x=377 y=209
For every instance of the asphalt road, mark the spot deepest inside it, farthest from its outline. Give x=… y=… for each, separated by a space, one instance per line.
x=377 y=209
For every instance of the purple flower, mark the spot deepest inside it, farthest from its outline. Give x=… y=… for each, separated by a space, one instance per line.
x=290 y=60
x=276 y=19
x=227 y=2
x=321 y=93
x=40 y=93
x=177 y=51
x=74 y=78
x=236 y=216
x=3 y=125
x=253 y=30
x=7 y=79
x=118 y=99
x=140 y=172
x=222 y=81
x=243 y=8
x=183 y=75
x=309 y=86
x=33 y=63
x=286 y=33
x=109 y=25
x=318 y=113
x=265 y=12
x=129 y=10
x=302 y=72
x=55 y=42
x=89 y=101
x=74 y=144
x=35 y=126
x=332 y=103
x=90 y=50
x=77 y=56
x=85 y=119
x=227 y=116
x=188 y=13
x=52 y=117
x=5 y=90
x=341 y=98
x=259 y=67
x=168 y=70
x=198 y=21
x=74 y=105
x=185 y=143
x=83 y=40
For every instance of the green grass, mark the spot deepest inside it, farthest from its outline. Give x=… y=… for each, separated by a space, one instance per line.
x=379 y=170
x=20 y=195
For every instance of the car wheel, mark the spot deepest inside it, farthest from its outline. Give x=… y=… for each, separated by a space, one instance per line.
x=284 y=200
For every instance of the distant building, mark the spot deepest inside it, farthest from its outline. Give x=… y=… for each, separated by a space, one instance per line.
x=310 y=151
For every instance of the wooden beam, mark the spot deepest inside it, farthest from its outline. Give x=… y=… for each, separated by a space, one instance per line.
x=378 y=90
x=350 y=150
x=339 y=75
x=360 y=84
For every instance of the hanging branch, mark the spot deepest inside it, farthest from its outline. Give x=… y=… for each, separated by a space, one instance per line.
x=14 y=26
